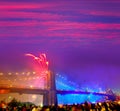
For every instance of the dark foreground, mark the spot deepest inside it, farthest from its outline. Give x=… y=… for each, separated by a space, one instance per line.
x=100 y=106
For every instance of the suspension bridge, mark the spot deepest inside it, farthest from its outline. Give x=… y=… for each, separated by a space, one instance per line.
x=44 y=82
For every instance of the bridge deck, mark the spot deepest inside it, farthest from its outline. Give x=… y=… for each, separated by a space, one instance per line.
x=44 y=91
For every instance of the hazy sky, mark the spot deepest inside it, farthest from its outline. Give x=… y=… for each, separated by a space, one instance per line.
x=80 y=37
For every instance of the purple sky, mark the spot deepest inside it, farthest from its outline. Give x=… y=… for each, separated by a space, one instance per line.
x=80 y=37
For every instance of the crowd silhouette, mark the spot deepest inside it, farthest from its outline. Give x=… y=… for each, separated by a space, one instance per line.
x=14 y=105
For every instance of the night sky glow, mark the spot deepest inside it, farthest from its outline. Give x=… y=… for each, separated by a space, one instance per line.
x=81 y=38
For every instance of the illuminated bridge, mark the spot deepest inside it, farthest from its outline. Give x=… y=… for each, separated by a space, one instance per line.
x=31 y=83
x=54 y=88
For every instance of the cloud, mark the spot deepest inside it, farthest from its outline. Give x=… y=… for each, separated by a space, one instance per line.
x=32 y=15
x=66 y=29
x=22 y=5
x=100 y=13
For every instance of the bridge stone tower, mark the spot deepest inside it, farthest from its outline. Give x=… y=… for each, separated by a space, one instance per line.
x=52 y=94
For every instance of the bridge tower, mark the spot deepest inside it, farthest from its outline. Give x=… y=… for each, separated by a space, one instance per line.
x=52 y=95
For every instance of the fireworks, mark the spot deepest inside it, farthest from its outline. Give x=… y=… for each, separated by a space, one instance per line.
x=42 y=69
x=41 y=60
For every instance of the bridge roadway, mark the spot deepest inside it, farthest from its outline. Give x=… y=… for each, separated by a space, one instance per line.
x=46 y=93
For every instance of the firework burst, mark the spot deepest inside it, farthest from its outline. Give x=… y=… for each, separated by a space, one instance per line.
x=42 y=61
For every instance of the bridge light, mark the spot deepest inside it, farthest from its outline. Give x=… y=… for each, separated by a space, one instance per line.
x=1 y=73
x=28 y=73
x=11 y=85
x=34 y=72
x=31 y=86
x=34 y=97
x=9 y=97
x=118 y=102
x=9 y=73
